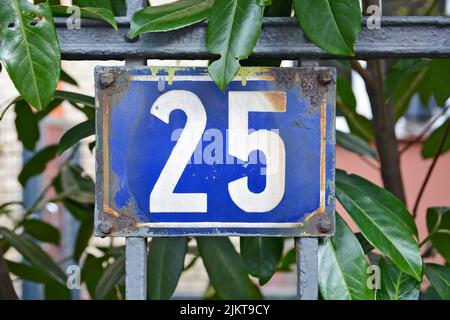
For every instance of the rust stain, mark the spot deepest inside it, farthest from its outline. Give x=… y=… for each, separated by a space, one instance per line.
x=276 y=98
x=316 y=214
x=110 y=211
x=323 y=145
x=285 y=78
x=105 y=104
x=312 y=89
x=126 y=223
x=312 y=215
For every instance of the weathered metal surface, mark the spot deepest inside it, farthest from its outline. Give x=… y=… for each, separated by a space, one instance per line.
x=134 y=147
x=136 y=268
x=399 y=37
x=306 y=250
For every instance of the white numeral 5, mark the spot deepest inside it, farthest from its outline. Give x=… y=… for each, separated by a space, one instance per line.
x=241 y=144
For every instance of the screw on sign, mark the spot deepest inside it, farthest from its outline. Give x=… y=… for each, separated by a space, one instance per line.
x=177 y=156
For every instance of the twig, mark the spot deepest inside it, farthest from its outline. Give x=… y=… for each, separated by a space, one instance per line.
x=4 y=111
x=431 y=8
x=370 y=164
x=36 y=203
x=430 y=170
x=425 y=130
x=361 y=71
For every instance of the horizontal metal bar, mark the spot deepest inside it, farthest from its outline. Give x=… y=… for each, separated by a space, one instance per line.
x=399 y=37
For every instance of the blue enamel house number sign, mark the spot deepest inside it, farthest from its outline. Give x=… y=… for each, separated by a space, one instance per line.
x=177 y=156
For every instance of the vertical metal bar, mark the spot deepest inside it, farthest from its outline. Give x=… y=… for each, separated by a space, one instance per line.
x=135 y=248
x=31 y=290
x=306 y=249
x=136 y=268
x=307 y=268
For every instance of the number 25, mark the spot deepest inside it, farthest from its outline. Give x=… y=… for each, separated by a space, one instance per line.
x=241 y=144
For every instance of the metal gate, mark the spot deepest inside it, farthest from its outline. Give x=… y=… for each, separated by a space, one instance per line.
x=399 y=37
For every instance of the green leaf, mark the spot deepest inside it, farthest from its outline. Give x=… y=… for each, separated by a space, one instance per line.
x=261 y=256
x=345 y=92
x=26 y=272
x=438 y=224
x=87 y=12
x=118 y=7
x=42 y=231
x=406 y=91
x=75 y=134
x=30 y=50
x=288 y=261
x=403 y=71
x=226 y=269
x=79 y=211
x=75 y=98
x=439 y=277
x=233 y=30
x=440 y=69
x=27 y=126
x=395 y=208
x=165 y=264
x=430 y=146
x=84 y=234
x=51 y=2
x=111 y=277
x=382 y=219
x=76 y=185
x=35 y=255
x=37 y=163
x=343 y=266
x=53 y=289
x=395 y=284
x=430 y=294
x=67 y=78
x=279 y=8
x=57 y=291
x=55 y=103
x=346 y=103
x=366 y=245
x=423 y=76
x=169 y=16
x=92 y=272
x=355 y=144
x=333 y=25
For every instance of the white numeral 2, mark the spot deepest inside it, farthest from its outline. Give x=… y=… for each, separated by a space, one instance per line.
x=241 y=144
x=162 y=197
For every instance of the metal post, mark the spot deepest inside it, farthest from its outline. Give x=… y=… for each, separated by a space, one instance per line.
x=136 y=268
x=307 y=268
x=135 y=247
x=306 y=249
